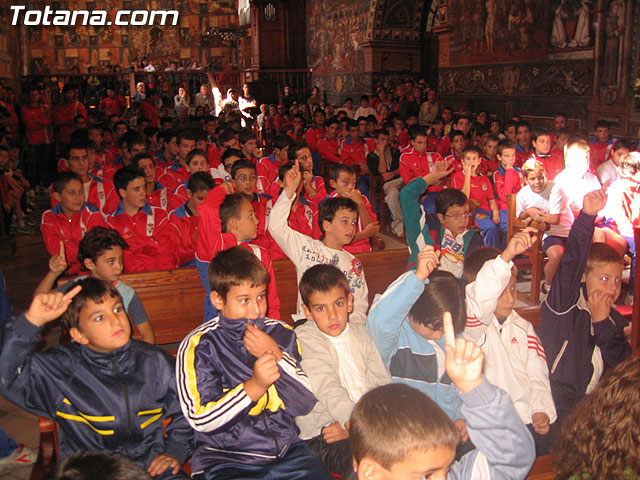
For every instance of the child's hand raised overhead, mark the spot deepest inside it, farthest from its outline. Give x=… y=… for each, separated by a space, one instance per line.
x=58 y=263
x=440 y=170
x=228 y=187
x=46 y=307
x=292 y=180
x=595 y=201
x=519 y=243
x=463 y=359
x=258 y=342
x=427 y=262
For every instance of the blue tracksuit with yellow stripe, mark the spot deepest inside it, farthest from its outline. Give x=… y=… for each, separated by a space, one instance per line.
x=212 y=366
x=101 y=401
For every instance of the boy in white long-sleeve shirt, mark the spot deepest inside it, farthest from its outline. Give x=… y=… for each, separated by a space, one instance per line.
x=337 y=218
x=514 y=358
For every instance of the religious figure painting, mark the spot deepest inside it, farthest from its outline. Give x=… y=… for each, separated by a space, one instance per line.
x=571 y=25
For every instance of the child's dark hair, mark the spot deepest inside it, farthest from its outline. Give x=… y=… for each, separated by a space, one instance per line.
x=455 y=133
x=126 y=175
x=168 y=135
x=322 y=278
x=234 y=267
x=475 y=260
x=540 y=133
x=284 y=168
x=416 y=131
x=245 y=135
x=85 y=465
x=76 y=145
x=504 y=144
x=194 y=153
x=92 y=289
x=242 y=164
x=282 y=141
x=294 y=148
x=135 y=161
x=442 y=294
x=602 y=124
x=97 y=241
x=330 y=207
x=417 y=422
x=226 y=135
x=331 y=121
x=601 y=253
x=622 y=143
x=230 y=208
x=231 y=152
x=134 y=138
x=449 y=197
x=200 y=181
x=338 y=168
x=62 y=179
x=186 y=134
x=472 y=149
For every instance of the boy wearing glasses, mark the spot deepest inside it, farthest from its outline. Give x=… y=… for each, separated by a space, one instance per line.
x=447 y=230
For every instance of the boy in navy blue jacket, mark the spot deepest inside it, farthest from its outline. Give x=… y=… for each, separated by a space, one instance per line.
x=240 y=382
x=580 y=332
x=105 y=390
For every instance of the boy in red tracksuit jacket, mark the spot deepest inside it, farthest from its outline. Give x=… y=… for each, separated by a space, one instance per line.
x=65 y=113
x=145 y=228
x=314 y=188
x=316 y=131
x=196 y=162
x=228 y=219
x=353 y=149
x=267 y=167
x=417 y=162
x=602 y=146
x=66 y=224
x=329 y=145
x=343 y=181
x=507 y=180
x=553 y=160
x=157 y=195
x=177 y=173
x=524 y=148
x=100 y=193
x=185 y=219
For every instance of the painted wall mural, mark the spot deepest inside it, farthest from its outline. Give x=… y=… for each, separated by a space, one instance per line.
x=58 y=49
x=335 y=31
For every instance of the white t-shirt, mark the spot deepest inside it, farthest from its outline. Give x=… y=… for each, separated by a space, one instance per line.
x=526 y=198
x=452 y=253
x=364 y=112
x=567 y=195
x=351 y=378
x=305 y=252
x=607 y=171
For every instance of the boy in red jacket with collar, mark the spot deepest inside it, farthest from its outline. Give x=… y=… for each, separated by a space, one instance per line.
x=507 y=179
x=602 y=146
x=267 y=167
x=185 y=219
x=314 y=188
x=99 y=193
x=157 y=195
x=553 y=160
x=524 y=149
x=144 y=228
x=329 y=145
x=66 y=223
x=177 y=173
x=196 y=162
x=417 y=162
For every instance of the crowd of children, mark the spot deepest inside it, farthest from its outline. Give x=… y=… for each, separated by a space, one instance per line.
x=440 y=373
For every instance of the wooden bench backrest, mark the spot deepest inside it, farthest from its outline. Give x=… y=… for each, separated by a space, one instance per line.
x=174 y=299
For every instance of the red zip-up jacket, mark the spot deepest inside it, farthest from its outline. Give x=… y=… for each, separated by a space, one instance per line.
x=414 y=164
x=506 y=182
x=38 y=123
x=184 y=226
x=149 y=238
x=210 y=240
x=314 y=134
x=353 y=152
x=56 y=226
x=102 y=195
x=329 y=149
x=64 y=115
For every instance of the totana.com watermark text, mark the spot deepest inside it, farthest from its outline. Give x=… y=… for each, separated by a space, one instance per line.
x=70 y=18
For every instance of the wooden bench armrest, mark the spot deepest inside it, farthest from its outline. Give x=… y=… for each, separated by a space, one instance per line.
x=47 y=449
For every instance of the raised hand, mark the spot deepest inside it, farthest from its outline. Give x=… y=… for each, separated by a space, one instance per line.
x=595 y=201
x=292 y=180
x=427 y=262
x=46 y=307
x=440 y=170
x=519 y=243
x=463 y=359
x=58 y=263
x=228 y=187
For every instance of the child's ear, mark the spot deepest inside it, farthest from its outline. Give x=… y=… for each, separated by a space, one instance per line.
x=368 y=469
x=189 y=193
x=217 y=300
x=78 y=336
x=57 y=196
x=350 y=303
x=307 y=312
x=333 y=184
x=584 y=278
x=232 y=224
x=440 y=217
x=122 y=192
x=89 y=265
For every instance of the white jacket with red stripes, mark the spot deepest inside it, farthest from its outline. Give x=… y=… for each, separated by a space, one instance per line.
x=514 y=358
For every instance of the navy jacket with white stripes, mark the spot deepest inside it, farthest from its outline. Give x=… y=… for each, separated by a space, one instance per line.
x=212 y=366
